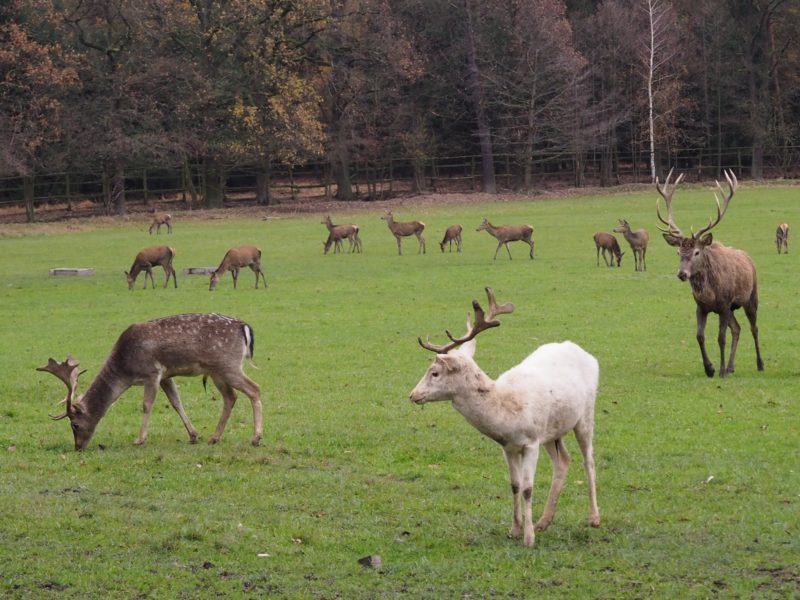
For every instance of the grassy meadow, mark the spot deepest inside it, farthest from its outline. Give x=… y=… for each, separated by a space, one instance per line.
x=698 y=479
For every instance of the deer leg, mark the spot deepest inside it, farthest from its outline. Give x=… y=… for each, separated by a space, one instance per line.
x=735 y=329
x=751 y=311
x=508 y=250
x=171 y=390
x=235 y=275
x=724 y=320
x=458 y=244
x=399 y=245
x=530 y=456
x=644 y=258
x=514 y=461
x=598 y=256
x=150 y=389
x=252 y=390
x=499 y=245
x=584 y=432
x=530 y=243
x=702 y=316
x=560 y=458
x=228 y=400
x=421 y=240
x=263 y=277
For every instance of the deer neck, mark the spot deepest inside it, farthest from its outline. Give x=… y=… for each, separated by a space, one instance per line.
x=483 y=403
x=103 y=391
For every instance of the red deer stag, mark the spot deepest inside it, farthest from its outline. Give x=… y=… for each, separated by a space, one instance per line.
x=638 y=240
x=508 y=233
x=336 y=233
x=151 y=354
x=722 y=279
x=401 y=230
x=160 y=219
x=782 y=238
x=146 y=260
x=607 y=243
x=453 y=234
x=235 y=259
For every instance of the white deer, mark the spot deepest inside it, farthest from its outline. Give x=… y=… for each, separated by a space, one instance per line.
x=534 y=404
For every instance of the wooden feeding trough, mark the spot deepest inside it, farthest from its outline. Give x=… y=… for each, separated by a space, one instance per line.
x=71 y=272
x=199 y=270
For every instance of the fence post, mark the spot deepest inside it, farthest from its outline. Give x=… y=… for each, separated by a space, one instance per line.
x=144 y=186
x=68 y=186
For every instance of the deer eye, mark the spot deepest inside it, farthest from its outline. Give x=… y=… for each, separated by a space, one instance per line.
x=697 y=252
x=434 y=373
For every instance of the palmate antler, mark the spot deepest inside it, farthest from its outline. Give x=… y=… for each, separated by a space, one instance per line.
x=68 y=373
x=482 y=323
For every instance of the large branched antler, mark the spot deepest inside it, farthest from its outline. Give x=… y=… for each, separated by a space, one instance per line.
x=482 y=323
x=666 y=193
x=721 y=210
x=68 y=373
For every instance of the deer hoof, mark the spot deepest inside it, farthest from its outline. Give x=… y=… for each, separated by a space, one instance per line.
x=709 y=371
x=256 y=441
x=213 y=440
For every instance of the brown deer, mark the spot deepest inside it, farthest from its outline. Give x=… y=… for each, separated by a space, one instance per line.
x=638 y=240
x=235 y=259
x=509 y=233
x=453 y=234
x=606 y=242
x=722 y=279
x=146 y=260
x=151 y=354
x=401 y=230
x=336 y=233
x=782 y=238
x=160 y=219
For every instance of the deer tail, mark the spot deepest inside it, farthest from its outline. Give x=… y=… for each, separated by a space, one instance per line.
x=250 y=342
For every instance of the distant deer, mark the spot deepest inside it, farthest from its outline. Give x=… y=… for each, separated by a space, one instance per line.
x=638 y=240
x=151 y=354
x=336 y=233
x=530 y=406
x=401 y=230
x=235 y=259
x=453 y=234
x=146 y=260
x=606 y=242
x=722 y=278
x=782 y=238
x=508 y=233
x=160 y=219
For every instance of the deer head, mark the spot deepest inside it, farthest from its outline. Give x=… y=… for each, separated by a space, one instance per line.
x=82 y=423
x=691 y=247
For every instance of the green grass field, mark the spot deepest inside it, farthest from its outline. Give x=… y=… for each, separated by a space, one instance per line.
x=698 y=479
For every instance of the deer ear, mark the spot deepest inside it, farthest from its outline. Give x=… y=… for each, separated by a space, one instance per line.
x=707 y=239
x=672 y=240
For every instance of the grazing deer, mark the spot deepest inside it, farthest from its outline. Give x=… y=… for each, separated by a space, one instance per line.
x=401 y=230
x=160 y=219
x=453 y=234
x=336 y=233
x=151 y=354
x=532 y=405
x=782 y=237
x=722 y=279
x=638 y=240
x=235 y=259
x=146 y=260
x=508 y=233
x=607 y=243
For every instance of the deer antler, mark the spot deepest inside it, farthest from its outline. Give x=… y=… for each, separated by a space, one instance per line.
x=733 y=184
x=482 y=323
x=666 y=193
x=68 y=373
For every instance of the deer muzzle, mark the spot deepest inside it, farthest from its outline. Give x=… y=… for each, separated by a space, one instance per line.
x=683 y=275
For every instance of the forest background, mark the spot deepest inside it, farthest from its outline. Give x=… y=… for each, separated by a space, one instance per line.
x=209 y=86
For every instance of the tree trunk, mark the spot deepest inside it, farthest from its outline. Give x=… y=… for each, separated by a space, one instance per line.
x=263 y=189
x=189 y=180
x=28 y=195
x=118 y=188
x=341 y=168
x=214 y=175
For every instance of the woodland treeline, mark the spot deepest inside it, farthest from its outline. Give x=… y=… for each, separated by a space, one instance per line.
x=114 y=85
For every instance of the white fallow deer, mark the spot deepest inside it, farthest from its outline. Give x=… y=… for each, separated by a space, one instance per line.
x=336 y=233
x=401 y=230
x=160 y=219
x=453 y=234
x=782 y=238
x=235 y=259
x=638 y=240
x=151 y=354
x=606 y=242
x=722 y=278
x=509 y=233
x=146 y=260
x=532 y=405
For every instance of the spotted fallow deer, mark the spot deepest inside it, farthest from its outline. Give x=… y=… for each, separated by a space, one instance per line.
x=638 y=240
x=151 y=354
x=722 y=278
x=782 y=238
x=509 y=233
x=160 y=219
x=606 y=242
x=401 y=230
x=530 y=406
x=146 y=260
x=336 y=233
x=235 y=259
x=453 y=234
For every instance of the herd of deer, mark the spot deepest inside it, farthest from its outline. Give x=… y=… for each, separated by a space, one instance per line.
x=532 y=405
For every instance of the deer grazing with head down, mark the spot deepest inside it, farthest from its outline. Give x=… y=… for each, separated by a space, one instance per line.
x=336 y=233
x=151 y=354
x=401 y=230
x=509 y=233
x=638 y=240
x=532 y=405
x=453 y=234
x=160 y=219
x=782 y=238
x=235 y=259
x=607 y=243
x=722 y=278
x=146 y=260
